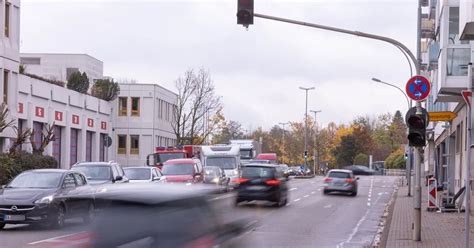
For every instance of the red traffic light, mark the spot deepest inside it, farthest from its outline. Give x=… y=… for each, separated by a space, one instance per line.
x=416 y=121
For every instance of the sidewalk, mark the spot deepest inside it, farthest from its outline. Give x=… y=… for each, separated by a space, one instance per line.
x=437 y=229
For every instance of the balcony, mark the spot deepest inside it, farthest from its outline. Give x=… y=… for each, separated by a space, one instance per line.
x=452 y=73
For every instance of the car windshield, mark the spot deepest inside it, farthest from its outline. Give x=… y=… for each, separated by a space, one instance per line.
x=95 y=172
x=37 y=180
x=245 y=154
x=257 y=172
x=137 y=173
x=339 y=174
x=211 y=172
x=224 y=163
x=177 y=169
x=163 y=157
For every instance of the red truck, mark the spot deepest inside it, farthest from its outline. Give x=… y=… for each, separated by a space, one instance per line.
x=163 y=154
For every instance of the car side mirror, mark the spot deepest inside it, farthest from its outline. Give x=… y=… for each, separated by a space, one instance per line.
x=118 y=178
x=357 y=178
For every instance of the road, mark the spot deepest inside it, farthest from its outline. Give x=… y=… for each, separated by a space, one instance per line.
x=311 y=219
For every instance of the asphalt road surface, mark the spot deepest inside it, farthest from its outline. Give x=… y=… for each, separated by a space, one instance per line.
x=311 y=219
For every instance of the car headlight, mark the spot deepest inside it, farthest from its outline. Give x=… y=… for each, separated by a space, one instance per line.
x=45 y=200
x=215 y=180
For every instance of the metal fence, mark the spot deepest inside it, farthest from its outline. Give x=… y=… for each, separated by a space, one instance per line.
x=395 y=172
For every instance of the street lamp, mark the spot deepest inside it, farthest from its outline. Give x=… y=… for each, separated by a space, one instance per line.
x=396 y=87
x=315 y=112
x=306 y=126
x=283 y=126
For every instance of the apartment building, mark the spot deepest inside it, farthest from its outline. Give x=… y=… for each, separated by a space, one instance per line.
x=59 y=66
x=142 y=118
x=445 y=61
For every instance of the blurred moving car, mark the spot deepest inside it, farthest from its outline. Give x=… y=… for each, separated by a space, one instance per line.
x=164 y=216
x=142 y=174
x=293 y=170
x=41 y=196
x=264 y=183
x=215 y=175
x=340 y=181
x=268 y=156
x=184 y=170
x=360 y=170
x=101 y=172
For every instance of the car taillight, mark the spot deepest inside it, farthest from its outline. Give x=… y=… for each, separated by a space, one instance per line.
x=204 y=242
x=240 y=180
x=327 y=179
x=349 y=180
x=273 y=182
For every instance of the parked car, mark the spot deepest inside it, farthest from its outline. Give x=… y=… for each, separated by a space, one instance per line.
x=101 y=172
x=340 y=181
x=262 y=182
x=293 y=170
x=216 y=176
x=185 y=170
x=164 y=216
x=42 y=196
x=142 y=174
x=360 y=170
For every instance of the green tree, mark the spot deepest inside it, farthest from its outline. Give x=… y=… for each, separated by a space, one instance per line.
x=396 y=160
x=361 y=159
x=398 y=131
x=78 y=82
x=105 y=89
x=346 y=151
x=230 y=130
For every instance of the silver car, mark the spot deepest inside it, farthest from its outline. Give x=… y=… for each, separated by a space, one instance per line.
x=340 y=181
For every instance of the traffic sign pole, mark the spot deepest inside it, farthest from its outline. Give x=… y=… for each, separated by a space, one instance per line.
x=467 y=209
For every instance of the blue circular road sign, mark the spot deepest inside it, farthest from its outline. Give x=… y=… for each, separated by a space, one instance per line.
x=418 y=88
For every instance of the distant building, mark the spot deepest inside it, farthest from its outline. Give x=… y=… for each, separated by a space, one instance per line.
x=58 y=66
x=142 y=117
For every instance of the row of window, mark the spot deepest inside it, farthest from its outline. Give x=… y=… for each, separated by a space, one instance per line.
x=122 y=144
x=7 y=20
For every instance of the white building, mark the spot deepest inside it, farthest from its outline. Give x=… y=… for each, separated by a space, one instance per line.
x=58 y=66
x=142 y=119
x=445 y=62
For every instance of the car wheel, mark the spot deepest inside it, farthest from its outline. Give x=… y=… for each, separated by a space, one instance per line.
x=2 y=225
x=354 y=193
x=60 y=217
x=325 y=192
x=90 y=214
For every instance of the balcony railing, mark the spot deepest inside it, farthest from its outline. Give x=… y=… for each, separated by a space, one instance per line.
x=457 y=60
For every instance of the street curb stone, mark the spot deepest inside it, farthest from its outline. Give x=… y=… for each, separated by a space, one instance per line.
x=380 y=238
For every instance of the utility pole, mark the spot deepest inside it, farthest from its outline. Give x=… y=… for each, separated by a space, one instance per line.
x=315 y=153
x=306 y=126
x=283 y=126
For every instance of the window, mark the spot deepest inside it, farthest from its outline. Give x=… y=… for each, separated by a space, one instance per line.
x=122 y=144
x=453 y=27
x=102 y=148
x=115 y=172
x=134 y=144
x=7 y=20
x=70 y=71
x=79 y=179
x=458 y=138
x=30 y=60
x=37 y=133
x=135 y=106
x=5 y=86
x=122 y=106
x=57 y=145
x=457 y=61
x=73 y=146
x=69 y=182
x=89 y=146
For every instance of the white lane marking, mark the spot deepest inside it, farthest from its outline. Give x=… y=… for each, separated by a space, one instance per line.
x=293 y=189
x=54 y=238
x=368 y=204
x=288 y=204
x=312 y=182
x=297 y=200
x=305 y=196
x=312 y=192
x=319 y=189
x=328 y=206
x=381 y=193
x=222 y=197
x=355 y=229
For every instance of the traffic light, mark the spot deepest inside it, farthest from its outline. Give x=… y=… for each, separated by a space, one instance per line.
x=245 y=12
x=305 y=154
x=417 y=123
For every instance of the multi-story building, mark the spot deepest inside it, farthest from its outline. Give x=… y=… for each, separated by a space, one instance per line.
x=445 y=62
x=142 y=119
x=59 y=66
x=137 y=121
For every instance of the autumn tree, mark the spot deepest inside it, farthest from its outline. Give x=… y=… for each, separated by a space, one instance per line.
x=230 y=130
x=105 y=89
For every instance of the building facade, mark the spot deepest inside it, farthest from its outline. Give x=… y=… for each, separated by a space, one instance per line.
x=59 y=66
x=445 y=63
x=142 y=117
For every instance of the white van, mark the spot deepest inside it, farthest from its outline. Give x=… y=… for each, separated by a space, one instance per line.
x=225 y=157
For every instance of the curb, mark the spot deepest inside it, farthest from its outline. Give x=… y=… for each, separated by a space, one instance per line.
x=304 y=177
x=380 y=239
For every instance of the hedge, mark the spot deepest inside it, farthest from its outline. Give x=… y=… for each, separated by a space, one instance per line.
x=12 y=165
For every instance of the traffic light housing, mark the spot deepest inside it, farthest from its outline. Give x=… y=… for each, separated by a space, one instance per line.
x=417 y=123
x=245 y=12
x=305 y=154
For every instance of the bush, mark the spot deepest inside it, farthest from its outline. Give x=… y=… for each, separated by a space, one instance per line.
x=55 y=82
x=105 y=89
x=78 y=82
x=12 y=165
x=396 y=160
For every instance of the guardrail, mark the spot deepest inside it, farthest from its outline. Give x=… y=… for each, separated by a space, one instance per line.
x=394 y=172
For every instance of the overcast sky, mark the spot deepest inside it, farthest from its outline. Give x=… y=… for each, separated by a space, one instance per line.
x=256 y=71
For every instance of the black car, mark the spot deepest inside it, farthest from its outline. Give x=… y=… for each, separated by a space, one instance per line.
x=101 y=172
x=360 y=170
x=42 y=196
x=262 y=182
x=164 y=215
x=216 y=176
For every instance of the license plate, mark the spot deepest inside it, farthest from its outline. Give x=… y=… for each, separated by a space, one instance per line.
x=14 y=217
x=255 y=187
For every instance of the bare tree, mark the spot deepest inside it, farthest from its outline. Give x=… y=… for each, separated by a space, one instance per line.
x=3 y=117
x=21 y=138
x=197 y=109
x=46 y=138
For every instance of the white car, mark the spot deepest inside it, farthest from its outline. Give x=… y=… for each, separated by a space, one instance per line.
x=142 y=174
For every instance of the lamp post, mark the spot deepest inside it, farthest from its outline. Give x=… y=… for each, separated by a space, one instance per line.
x=315 y=112
x=396 y=87
x=283 y=126
x=306 y=126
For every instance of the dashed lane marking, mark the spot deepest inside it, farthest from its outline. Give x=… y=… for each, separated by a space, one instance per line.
x=293 y=189
x=305 y=196
x=297 y=200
